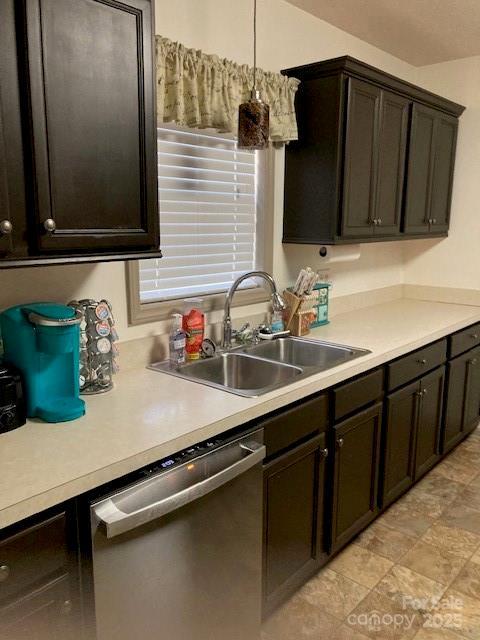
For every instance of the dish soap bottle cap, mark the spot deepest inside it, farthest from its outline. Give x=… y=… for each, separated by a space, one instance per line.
x=177 y=321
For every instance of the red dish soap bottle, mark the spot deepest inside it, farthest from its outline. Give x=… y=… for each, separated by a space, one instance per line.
x=194 y=327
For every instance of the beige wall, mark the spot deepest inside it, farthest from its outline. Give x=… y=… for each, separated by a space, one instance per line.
x=455 y=262
x=287 y=37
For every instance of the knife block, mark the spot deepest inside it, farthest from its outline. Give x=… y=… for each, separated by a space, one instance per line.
x=300 y=312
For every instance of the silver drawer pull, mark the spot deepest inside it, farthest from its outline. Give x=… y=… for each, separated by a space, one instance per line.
x=473 y=361
x=424 y=392
x=4 y=572
x=340 y=443
x=324 y=453
x=50 y=225
x=474 y=336
x=422 y=361
x=6 y=227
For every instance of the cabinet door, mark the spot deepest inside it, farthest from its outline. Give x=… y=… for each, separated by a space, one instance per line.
x=429 y=421
x=46 y=613
x=433 y=140
x=401 y=419
x=444 y=161
x=12 y=185
x=355 y=474
x=361 y=142
x=420 y=170
x=93 y=124
x=293 y=519
x=392 y=144
x=472 y=392
x=458 y=372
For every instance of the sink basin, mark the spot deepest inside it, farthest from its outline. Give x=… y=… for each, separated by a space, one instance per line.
x=236 y=372
x=257 y=369
x=304 y=353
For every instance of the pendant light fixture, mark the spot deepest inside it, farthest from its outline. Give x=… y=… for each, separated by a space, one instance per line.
x=254 y=115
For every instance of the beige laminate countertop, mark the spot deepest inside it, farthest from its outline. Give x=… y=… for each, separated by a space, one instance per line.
x=150 y=415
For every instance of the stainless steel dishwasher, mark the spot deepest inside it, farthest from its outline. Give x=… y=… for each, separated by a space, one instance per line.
x=178 y=555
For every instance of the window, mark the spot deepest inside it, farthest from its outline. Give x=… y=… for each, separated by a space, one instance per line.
x=212 y=224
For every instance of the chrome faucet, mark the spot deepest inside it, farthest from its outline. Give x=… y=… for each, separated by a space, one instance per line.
x=278 y=302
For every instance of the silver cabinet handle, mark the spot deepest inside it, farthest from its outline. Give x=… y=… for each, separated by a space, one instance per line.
x=422 y=361
x=4 y=572
x=419 y=394
x=474 y=336
x=340 y=443
x=6 y=227
x=66 y=607
x=424 y=392
x=50 y=225
x=379 y=221
x=373 y=221
x=473 y=361
x=324 y=452
x=115 y=521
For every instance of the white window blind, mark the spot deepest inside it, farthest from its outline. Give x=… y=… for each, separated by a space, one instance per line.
x=207 y=195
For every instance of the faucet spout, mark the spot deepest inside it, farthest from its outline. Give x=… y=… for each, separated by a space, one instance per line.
x=277 y=302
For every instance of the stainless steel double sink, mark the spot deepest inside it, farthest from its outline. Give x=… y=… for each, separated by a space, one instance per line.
x=253 y=370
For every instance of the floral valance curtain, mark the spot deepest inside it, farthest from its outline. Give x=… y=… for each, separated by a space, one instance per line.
x=199 y=90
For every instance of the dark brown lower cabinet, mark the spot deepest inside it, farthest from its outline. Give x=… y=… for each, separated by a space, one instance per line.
x=411 y=443
x=463 y=398
x=427 y=449
x=46 y=613
x=294 y=544
x=39 y=581
x=401 y=416
x=355 y=474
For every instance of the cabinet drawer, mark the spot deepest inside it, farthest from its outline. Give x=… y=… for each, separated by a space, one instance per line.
x=357 y=394
x=32 y=555
x=464 y=340
x=416 y=364
x=295 y=424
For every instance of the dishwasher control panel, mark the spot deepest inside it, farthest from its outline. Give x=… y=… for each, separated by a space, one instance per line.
x=185 y=455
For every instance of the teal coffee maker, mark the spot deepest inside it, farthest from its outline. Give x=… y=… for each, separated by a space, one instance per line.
x=42 y=341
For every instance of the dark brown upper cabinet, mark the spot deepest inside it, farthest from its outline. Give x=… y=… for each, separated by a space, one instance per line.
x=433 y=138
x=361 y=142
x=12 y=183
x=88 y=109
x=375 y=143
x=368 y=165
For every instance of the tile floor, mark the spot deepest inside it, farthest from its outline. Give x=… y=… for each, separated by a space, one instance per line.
x=414 y=573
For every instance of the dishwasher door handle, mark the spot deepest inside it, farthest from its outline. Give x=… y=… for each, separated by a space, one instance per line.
x=115 y=521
